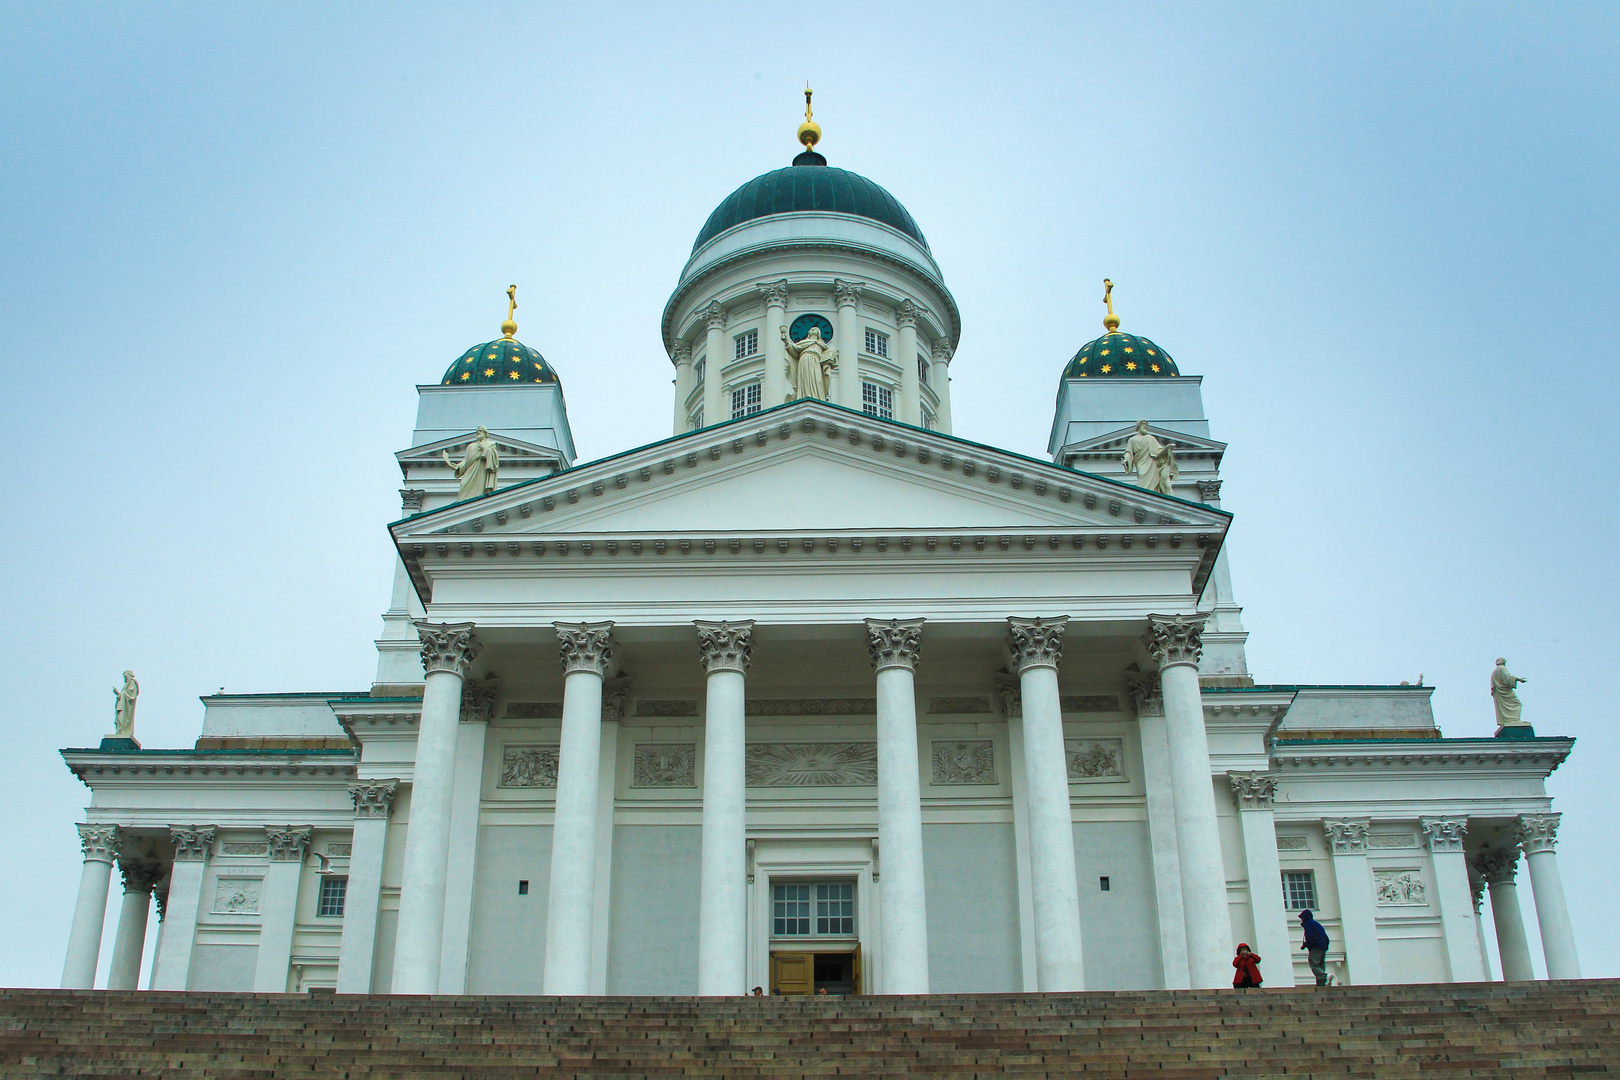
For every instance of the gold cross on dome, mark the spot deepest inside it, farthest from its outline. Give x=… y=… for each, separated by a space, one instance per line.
x=1108 y=295
x=511 y=300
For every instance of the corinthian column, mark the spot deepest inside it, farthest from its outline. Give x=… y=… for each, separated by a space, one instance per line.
x=905 y=316
x=1036 y=646
x=1256 y=795
x=715 y=405
x=1175 y=642
x=848 y=391
x=941 y=382
x=448 y=651
x=586 y=651
x=1538 y=836
x=1444 y=837
x=100 y=846
x=1499 y=867
x=140 y=878
x=894 y=646
x=373 y=802
x=681 y=357
x=773 y=388
x=724 y=648
x=1358 y=918
x=171 y=969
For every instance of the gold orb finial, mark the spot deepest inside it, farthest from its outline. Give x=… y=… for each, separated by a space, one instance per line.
x=1110 y=321
x=508 y=328
x=809 y=131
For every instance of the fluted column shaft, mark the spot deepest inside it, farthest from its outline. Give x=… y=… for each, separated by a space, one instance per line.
x=100 y=845
x=1444 y=838
x=849 y=341
x=586 y=652
x=448 y=651
x=894 y=646
x=373 y=802
x=171 y=968
x=716 y=410
x=1538 y=836
x=129 y=945
x=1175 y=641
x=1499 y=867
x=1036 y=646
x=774 y=386
x=910 y=380
x=725 y=649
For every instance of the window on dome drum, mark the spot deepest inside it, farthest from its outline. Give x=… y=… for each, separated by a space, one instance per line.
x=697 y=371
x=747 y=344
x=877 y=400
x=745 y=400
x=877 y=342
x=929 y=421
x=333 y=892
x=696 y=419
x=813 y=909
x=922 y=369
x=1299 y=890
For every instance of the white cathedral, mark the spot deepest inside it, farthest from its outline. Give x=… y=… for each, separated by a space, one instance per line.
x=813 y=695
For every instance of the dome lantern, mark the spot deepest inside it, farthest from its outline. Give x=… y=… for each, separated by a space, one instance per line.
x=1119 y=355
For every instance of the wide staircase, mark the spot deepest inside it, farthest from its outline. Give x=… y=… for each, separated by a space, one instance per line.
x=1521 y=1030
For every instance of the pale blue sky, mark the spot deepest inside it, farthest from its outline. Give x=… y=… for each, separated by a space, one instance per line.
x=234 y=237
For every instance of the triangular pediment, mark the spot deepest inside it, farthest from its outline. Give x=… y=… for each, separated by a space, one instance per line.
x=810 y=468
x=1115 y=441
x=510 y=449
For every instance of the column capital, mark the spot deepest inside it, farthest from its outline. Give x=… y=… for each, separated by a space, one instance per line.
x=1011 y=692
x=161 y=899
x=1476 y=888
x=1254 y=791
x=373 y=798
x=774 y=292
x=847 y=293
x=99 y=842
x=908 y=313
x=585 y=646
x=680 y=354
x=1498 y=866
x=478 y=700
x=192 y=843
x=894 y=643
x=1035 y=642
x=1444 y=834
x=447 y=647
x=1147 y=693
x=410 y=500
x=613 y=694
x=1538 y=832
x=942 y=352
x=1347 y=836
x=725 y=646
x=1209 y=490
x=714 y=315
x=141 y=875
x=1176 y=639
x=288 y=843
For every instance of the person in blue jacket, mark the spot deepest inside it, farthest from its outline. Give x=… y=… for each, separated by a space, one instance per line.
x=1316 y=947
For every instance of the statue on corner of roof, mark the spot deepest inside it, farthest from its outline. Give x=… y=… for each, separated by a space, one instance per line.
x=124 y=707
x=810 y=364
x=1151 y=460
x=478 y=465
x=1504 y=684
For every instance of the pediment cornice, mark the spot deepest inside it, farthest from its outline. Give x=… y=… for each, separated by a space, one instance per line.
x=1108 y=446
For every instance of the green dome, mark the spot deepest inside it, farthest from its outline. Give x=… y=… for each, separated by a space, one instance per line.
x=798 y=188
x=502 y=362
x=1118 y=355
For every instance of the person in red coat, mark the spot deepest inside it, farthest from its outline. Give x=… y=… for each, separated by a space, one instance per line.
x=1247 y=963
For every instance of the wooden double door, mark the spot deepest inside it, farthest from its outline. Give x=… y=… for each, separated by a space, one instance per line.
x=838 y=972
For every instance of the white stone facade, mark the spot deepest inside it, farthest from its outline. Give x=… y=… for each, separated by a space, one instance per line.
x=973 y=721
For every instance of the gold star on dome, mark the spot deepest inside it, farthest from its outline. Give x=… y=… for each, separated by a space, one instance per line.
x=1129 y=349
x=1155 y=368
x=469 y=359
x=1106 y=368
x=1104 y=352
x=516 y=375
x=1131 y=366
x=538 y=379
x=1152 y=353
x=489 y=373
x=1083 y=359
x=465 y=375
x=541 y=366
x=1083 y=374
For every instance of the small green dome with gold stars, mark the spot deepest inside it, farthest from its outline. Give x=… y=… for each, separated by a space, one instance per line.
x=1116 y=355
x=502 y=362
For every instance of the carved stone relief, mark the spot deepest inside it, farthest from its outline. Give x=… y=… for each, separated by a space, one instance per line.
x=974 y=705
x=1089 y=703
x=1399 y=888
x=260 y=850
x=1095 y=759
x=1391 y=840
x=339 y=851
x=237 y=895
x=655 y=707
x=534 y=710
x=1293 y=843
x=812 y=764
x=529 y=766
x=964 y=761
x=665 y=765
x=812 y=707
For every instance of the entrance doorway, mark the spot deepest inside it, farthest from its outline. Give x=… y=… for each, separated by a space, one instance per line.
x=800 y=973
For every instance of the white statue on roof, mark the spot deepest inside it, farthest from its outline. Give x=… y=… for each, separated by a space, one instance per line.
x=810 y=364
x=124 y=707
x=1151 y=460
x=478 y=465
x=1504 y=684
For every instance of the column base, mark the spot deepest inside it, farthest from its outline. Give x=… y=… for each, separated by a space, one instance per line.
x=1516 y=731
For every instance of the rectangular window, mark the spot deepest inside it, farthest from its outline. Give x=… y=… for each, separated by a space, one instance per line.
x=697 y=370
x=697 y=418
x=922 y=369
x=813 y=909
x=1299 y=890
x=790 y=910
x=877 y=342
x=835 y=908
x=333 y=890
x=747 y=344
x=877 y=400
x=745 y=400
x=929 y=421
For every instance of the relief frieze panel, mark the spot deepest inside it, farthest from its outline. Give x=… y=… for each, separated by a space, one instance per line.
x=665 y=765
x=1095 y=759
x=964 y=761
x=811 y=764
x=529 y=766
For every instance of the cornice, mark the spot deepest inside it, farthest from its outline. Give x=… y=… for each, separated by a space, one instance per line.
x=1302 y=758
x=92 y=766
x=373 y=718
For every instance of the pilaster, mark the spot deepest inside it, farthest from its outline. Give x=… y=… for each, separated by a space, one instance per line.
x=192 y=847
x=1357 y=915
x=278 y=910
x=1538 y=836
x=1256 y=795
x=373 y=802
x=1444 y=837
